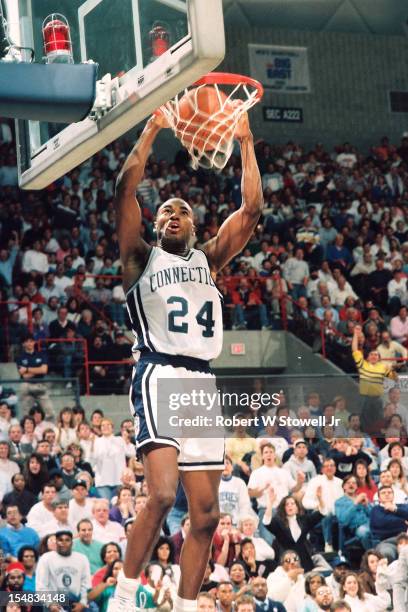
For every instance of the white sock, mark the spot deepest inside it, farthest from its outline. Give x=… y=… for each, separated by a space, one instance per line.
x=126 y=587
x=184 y=605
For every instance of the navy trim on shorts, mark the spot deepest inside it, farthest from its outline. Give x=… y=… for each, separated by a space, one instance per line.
x=149 y=402
x=177 y=361
x=220 y=463
x=147 y=427
x=204 y=463
x=134 y=319
x=144 y=319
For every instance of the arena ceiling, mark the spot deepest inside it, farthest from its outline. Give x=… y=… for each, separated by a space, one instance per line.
x=387 y=17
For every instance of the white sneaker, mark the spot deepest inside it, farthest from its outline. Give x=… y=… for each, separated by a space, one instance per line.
x=328 y=548
x=121 y=604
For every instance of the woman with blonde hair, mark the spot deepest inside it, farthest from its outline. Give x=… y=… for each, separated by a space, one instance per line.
x=248 y=526
x=66 y=432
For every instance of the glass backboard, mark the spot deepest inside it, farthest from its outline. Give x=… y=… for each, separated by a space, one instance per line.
x=152 y=49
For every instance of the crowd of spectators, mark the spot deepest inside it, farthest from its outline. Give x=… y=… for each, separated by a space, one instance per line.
x=311 y=520
x=333 y=238
x=308 y=522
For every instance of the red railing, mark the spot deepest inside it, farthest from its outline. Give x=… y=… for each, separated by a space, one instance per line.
x=81 y=295
x=85 y=349
x=231 y=282
x=284 y=298
x=87 y=362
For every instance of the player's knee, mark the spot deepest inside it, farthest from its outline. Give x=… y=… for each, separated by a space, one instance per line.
x=206 y=521
x=163 y=499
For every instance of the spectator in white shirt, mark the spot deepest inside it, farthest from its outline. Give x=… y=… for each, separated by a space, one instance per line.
x=65 y=570
x=390 y=349
x=42 y=512
x=386 y=480
x=61 y=280
x=7 y=468
x=86 y=439
x=397 y=575
x=331 y=489
x=233 y=494
x=346 y=159
x=127 y=432
x=272 y=179
x=105 y=530
x=109 y=460
x=80 y=506
x=342 y=292
x=394 y=397
x=6 y=420
x=287 y=583
x=261 y=255
x=99 y=259
x=296 y=274
x=390 y=437
x=118 y=294
x=298 y=462
x=50 y=289
x=34 y=260
x=396 y=451
x=397 y=292
x=250 y=259
x=269 y=475
x=60 y=520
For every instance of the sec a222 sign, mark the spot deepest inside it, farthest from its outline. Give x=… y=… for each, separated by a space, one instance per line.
x=282 y=114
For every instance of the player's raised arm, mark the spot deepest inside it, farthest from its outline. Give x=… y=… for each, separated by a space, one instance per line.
x=134 y=250
x=235 y=232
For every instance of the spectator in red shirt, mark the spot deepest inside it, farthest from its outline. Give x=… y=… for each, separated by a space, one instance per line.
x=226 y=541
x=365 y=484
x=250 y=306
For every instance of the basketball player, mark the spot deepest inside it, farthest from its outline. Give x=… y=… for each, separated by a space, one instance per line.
x=176 y=318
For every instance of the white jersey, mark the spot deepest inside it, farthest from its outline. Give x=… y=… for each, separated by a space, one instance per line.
x=175 y=307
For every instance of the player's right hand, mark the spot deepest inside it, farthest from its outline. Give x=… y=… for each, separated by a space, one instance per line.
x=159 y=119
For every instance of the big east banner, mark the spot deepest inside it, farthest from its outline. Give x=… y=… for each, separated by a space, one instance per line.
x=282 y=69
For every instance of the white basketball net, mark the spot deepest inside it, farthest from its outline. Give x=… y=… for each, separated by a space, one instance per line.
x=221 y=125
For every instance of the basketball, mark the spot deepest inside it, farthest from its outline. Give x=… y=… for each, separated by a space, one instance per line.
x=196 y=126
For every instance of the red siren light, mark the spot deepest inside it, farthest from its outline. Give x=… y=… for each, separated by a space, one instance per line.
x=160 y=40
x=57 y=39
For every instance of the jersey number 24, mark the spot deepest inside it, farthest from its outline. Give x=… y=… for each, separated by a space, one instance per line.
x=204 y=317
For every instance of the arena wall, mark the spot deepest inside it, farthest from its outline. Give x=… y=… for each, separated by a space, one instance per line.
x=350 y=74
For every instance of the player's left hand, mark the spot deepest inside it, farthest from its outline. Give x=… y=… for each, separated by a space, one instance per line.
x=242 y=130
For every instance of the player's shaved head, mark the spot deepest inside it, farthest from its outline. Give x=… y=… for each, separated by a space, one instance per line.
x=175 y=202
x=174 y=226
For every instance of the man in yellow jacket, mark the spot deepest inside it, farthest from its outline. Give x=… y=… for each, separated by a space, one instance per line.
x=372 y=372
